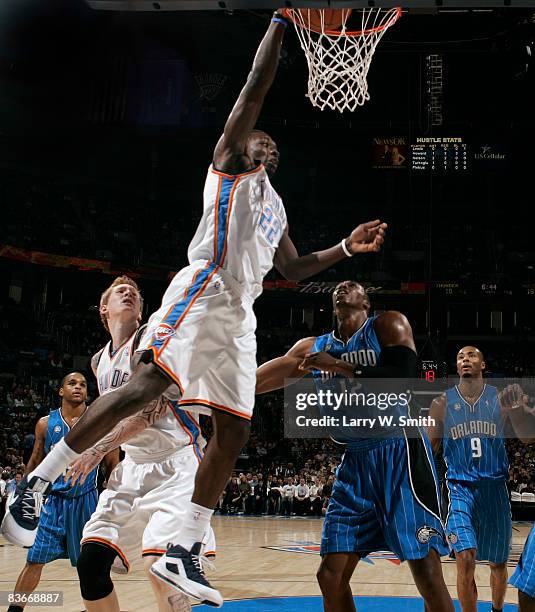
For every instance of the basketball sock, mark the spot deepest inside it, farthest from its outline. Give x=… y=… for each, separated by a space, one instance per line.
x=496 y=609
x=195 y=525
x=15 y=609
x=55 y=463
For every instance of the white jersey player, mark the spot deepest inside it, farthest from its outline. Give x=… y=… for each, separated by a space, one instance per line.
x=200 y=345
x=142 y=507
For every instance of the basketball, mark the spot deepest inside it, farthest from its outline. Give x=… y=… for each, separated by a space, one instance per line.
x=332 y=18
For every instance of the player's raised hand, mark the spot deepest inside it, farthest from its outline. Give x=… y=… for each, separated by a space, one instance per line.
x=513 y=397
x=83 y=466
x=367 y=237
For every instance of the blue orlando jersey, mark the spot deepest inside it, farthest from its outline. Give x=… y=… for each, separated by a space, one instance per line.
x=56 y=430
x=362 y=349
x=474 y=447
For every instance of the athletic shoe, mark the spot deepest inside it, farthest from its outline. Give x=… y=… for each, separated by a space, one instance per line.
x=183 y=571
x=22 y=512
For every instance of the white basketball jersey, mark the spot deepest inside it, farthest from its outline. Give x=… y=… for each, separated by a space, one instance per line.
x=241 y=226
x=176 y=429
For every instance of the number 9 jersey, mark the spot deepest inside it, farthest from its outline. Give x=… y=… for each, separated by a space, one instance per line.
x=474 y=447
x=479 y=513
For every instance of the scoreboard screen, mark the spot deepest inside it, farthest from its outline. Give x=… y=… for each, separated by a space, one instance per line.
x=439 y=154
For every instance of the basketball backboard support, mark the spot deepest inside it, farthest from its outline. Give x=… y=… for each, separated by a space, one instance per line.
x=208 y=5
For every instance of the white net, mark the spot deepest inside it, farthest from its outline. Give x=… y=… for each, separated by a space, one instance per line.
x=339 y=60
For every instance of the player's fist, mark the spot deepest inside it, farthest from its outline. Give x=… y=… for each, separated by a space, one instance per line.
x=319 y=361
x=367 y=237
x=513 y=397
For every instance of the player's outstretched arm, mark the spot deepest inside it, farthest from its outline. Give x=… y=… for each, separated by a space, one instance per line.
x=365 y=238
x=38 y=451
x=121 y=433
x=273 y=374
x=437 y=416
x=231 y=147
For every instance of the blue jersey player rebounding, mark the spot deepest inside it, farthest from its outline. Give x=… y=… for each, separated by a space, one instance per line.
x=67 y=508
x=385 y=495
x=470 y=423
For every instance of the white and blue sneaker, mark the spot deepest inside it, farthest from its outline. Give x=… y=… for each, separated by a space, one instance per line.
x=22 y=511
x=183 y=570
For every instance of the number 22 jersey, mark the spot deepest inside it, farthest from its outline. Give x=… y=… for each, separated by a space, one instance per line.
x=242 y=223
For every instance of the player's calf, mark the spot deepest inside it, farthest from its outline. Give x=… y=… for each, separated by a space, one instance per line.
x=498 y=585
x=27 y=582
x=466 y=584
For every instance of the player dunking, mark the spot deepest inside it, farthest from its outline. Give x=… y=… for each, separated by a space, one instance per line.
x=374 y=505
x=143 y=506
x=69 y=505
x=201 y=346
x=470 y=424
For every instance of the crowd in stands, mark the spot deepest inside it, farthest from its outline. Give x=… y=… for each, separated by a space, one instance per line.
x=106 y=223
x=522 y=467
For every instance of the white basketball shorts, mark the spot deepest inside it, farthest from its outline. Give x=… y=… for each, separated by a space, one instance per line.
x=141 y=511
x=203 y=338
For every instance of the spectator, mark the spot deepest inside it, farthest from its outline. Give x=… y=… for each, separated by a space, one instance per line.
x=288 y=492
x=315 y=498
x=302 y=498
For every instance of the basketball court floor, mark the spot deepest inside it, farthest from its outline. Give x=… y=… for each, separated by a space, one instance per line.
x=268 y=565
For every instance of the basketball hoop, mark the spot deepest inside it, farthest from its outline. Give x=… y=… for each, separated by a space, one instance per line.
x=338 y=58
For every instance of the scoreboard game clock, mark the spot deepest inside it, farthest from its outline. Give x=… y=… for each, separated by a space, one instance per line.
x=431 y=370
x=439 y=154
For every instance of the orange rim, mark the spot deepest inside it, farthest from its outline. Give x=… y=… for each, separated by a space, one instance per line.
x=288 y=13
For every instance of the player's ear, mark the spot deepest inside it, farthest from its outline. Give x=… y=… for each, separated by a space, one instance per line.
x=483 y=365
x=61 y=391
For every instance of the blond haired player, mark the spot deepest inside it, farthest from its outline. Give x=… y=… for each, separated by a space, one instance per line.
x=145 y=502
x=200 y=345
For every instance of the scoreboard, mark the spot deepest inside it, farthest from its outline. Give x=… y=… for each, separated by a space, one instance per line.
x=439 y=154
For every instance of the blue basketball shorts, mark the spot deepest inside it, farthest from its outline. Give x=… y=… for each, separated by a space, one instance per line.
x=479 y=517
x=60 y=527
x=386 y=497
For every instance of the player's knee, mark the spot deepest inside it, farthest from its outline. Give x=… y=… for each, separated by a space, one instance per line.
x=34 y=568
x=94 y=565
x=466 y=561
x=231 y=431
x=331 y=580
x=498 y=568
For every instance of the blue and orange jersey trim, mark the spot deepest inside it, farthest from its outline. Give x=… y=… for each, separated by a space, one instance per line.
x=109 y=544
x=207 y=404
x=223 y=205
x=190 y=426
x=222 y=213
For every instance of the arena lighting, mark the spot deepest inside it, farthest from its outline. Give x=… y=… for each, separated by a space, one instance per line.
x=207 y=5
